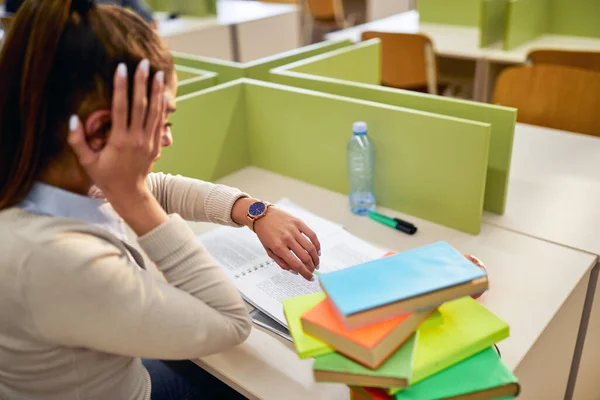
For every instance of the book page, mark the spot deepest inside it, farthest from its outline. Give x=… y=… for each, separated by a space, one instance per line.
x=267 y=287
x=261 y=281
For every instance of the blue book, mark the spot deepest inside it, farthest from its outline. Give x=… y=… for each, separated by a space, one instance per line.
x=409 y=281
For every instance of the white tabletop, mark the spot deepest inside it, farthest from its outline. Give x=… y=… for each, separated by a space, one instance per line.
x=449 y=40
x=557 y=42
x=554 y=188
x=529 y=278
x=240 y=11
x=229 y=12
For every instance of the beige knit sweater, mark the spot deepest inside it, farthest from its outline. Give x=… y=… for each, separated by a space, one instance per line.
x=76 y=313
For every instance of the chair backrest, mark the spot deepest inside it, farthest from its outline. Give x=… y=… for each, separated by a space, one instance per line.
x=553 y=96
x=407 y=60
x=325 y=10
x=579 y=59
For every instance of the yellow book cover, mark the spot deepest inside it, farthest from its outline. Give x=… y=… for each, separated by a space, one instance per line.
x=466 y=328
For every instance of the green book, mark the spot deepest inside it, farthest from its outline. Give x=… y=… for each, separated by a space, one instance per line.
x=482 y=376
x=293 y=308
x=467 y=329
x=395 y=372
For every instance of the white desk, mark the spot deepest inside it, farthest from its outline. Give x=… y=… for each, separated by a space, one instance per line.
x=556 y=42
x=199 y=36
x=536 y=286
x=553 y=194
x=449 y=40
x=261 y=29
x=242 y=31
x=459 y=57
x=377 y=9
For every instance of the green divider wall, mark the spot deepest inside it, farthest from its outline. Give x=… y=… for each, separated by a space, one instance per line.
x=502 y=119
x=492 y=22
x=575 y=17
x=192 y=80
x=358 y=63
x=526 y=20
x=428 y=165
x=258 y=69
x=226 y=70
x=198 y=8
x=451 y=12
x=209 y=134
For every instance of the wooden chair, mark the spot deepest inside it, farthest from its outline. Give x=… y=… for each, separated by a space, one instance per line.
x=553 y=96
x=578 y=59
x=408 y=61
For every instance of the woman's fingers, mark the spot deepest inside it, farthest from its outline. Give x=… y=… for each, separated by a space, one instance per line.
x=279 y=261
x=78 y=143
x=140 y=100
x=288 y=252
x=156 y=111
x=309 y=233
x=308 y=246
x=120 y=107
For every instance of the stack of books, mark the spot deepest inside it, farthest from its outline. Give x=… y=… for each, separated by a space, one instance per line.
x=404 y=327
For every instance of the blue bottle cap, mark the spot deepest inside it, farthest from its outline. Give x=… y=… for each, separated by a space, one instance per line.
x=359 y=128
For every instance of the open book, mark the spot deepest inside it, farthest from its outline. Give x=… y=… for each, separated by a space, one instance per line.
x=261 y=281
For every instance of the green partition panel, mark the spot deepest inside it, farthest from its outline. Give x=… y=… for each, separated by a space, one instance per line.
x=526 y=20
x=502 y=119
x=428 y=165
x=209 y=137
x=192 y=80
x=492 y=21
x=226 y=70
x=575 y=17
x=259 y=69
x=451 y=12
x=357 y=63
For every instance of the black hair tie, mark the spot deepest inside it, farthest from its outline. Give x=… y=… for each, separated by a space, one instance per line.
x=82 y=6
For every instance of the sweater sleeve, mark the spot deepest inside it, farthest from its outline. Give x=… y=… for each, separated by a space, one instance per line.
x=193 y=199
x=89 y=295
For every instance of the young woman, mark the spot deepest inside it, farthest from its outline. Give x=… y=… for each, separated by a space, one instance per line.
x=85 y=94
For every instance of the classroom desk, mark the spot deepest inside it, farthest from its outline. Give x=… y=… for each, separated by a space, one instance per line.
x=199 y=36
x=260 y=29
x=377 y=9
x=241 y=31
x=536 y=286
x=553 y=194
x=457 y=47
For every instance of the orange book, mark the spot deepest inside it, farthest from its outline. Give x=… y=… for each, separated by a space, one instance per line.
x=370 y=345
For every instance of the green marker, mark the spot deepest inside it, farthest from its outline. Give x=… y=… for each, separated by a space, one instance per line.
x=395 y=223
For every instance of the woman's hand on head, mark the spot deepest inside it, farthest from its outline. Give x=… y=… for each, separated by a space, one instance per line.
x=119 y=169
x=289 y=242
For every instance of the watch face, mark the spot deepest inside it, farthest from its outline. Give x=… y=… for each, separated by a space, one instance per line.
x=257 y=209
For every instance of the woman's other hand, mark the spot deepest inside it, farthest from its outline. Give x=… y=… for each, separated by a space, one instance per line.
x=119 y=168
x=287 y=240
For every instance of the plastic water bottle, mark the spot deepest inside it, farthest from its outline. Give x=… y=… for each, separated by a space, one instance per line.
x=361 y=168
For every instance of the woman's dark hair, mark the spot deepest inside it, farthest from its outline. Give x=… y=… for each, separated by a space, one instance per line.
x=59 y=59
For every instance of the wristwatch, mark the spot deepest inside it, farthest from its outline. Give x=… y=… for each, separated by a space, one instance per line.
x=256 y=211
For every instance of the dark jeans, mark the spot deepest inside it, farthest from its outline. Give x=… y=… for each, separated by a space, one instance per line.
x=184 y=380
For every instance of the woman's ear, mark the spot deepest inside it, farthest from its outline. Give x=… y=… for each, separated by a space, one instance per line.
x=97 y=129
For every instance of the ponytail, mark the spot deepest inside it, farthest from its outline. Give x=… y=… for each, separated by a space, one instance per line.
x=57 y=55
